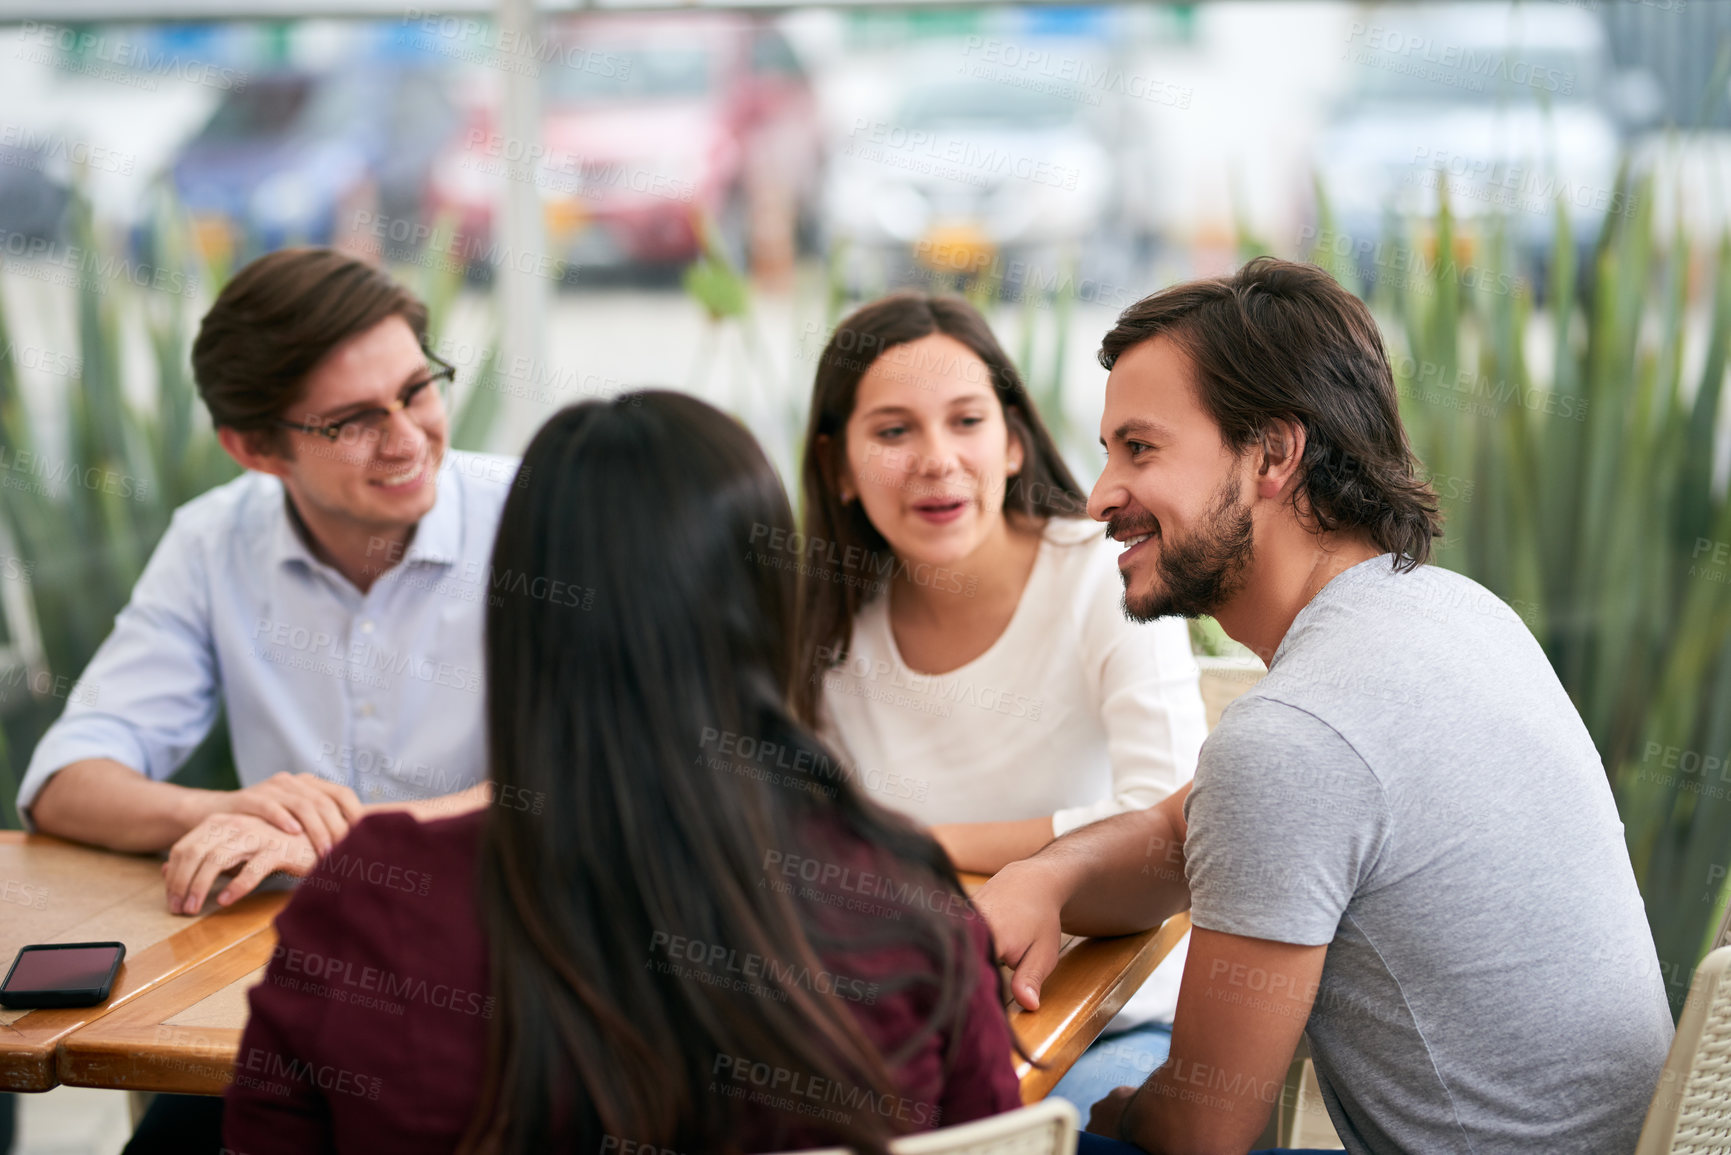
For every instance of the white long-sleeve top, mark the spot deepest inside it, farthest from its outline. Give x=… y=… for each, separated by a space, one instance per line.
x=1074 y=712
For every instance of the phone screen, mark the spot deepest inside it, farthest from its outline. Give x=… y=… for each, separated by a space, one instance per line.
x=77 y=968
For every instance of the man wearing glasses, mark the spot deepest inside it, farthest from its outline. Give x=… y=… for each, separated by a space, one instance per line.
x=330 y=599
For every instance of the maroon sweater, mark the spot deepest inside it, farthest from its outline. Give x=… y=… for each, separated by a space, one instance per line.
x=369 y=1031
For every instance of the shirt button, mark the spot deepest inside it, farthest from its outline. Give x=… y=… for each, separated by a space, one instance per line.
x=365 y=710
x=367 y=626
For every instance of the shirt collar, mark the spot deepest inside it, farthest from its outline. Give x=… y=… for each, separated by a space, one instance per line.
x=438 y=537
x=286 y=542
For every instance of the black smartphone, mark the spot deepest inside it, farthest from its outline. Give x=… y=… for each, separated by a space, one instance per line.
x=62 y=974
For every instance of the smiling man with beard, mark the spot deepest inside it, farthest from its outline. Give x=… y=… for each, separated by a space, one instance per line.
x=1401 y=842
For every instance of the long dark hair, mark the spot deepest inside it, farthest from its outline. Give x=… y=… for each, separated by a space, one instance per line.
x=639 y=659
x=1279 y=340
x=833 y=529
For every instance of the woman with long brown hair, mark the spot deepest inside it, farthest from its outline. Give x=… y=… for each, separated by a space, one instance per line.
x=677 y=926
x=960 y=620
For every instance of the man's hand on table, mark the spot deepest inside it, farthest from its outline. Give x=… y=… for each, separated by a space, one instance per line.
x=296 y=804
x=222 y=843
x=1095 y=880
x=1021 y=905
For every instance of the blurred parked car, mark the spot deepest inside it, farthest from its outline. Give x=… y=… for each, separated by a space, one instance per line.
x=286 y=158
x=61 y=129
x=650 y=127
x=975 y=171
x=1512 y=109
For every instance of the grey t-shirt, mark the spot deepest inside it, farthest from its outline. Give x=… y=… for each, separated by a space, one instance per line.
x=1410 y=785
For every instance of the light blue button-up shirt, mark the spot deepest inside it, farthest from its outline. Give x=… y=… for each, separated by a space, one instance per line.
x=381 y=691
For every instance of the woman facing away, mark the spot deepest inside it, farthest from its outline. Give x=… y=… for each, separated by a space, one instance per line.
x=671 y=928
x=961 y=621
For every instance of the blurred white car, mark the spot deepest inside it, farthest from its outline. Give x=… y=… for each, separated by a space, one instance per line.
x=1512 y=109
x=973 y=171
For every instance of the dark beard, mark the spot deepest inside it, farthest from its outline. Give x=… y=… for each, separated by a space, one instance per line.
x=1203 y=570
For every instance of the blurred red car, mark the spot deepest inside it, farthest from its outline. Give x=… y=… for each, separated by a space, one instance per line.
x=649 y=127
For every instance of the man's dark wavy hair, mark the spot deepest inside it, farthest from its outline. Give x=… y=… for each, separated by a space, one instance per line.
x=1282 y=341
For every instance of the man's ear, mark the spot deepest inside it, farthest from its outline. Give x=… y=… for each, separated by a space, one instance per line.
x=252 y=449
x=1280 y=454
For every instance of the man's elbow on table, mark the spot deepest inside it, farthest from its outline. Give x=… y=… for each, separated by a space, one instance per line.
x=105 y=803
x=59 y=806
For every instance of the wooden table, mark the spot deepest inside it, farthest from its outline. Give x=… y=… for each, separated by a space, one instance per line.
x=179 y=1006
x=54 y=891
x=1093 y=980
x=182 y=1037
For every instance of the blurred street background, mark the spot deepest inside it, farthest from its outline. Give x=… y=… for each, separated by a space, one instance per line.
x=1062 y=161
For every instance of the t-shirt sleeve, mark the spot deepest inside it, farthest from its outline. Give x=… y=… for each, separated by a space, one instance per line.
x=1285 y=825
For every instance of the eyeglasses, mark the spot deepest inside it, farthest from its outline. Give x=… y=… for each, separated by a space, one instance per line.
x=369 y=424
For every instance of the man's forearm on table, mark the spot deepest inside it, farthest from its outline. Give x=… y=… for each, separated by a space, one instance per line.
x=1120 y=875
x=107 y=803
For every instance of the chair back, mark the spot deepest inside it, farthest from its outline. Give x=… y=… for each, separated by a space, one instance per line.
x=1724 y=937
x=1047 y=1128
x=1691 y=1109
x=1301 y=1118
